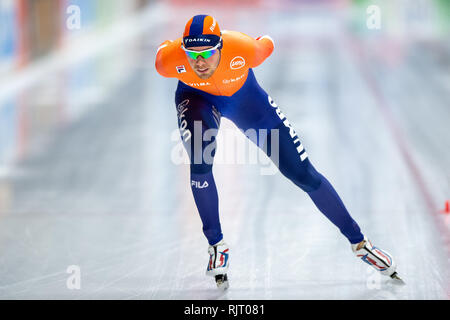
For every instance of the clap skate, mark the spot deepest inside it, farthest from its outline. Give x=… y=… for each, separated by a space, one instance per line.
x=218 y=264
x=379 y=259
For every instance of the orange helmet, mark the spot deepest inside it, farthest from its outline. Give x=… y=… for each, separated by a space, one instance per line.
x=202 y=30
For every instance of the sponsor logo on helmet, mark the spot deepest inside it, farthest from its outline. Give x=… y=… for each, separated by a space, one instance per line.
x=237 y=63
x=213 y=25
x=197 y=39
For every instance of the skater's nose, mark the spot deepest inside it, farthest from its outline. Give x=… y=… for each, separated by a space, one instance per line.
x=201 y=61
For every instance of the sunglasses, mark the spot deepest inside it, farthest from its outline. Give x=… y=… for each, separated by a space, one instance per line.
x=205 y=54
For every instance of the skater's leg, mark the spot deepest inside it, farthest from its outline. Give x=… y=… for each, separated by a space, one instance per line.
x=293 y=163
x=257 y=110
x=330 y=204
x=195 y=117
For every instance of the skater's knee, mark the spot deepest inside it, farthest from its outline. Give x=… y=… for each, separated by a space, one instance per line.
x=306 y=177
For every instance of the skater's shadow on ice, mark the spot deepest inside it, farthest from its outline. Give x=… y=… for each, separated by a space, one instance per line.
x=388 y=290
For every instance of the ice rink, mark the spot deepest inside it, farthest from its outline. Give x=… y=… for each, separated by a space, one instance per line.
x=99 y=191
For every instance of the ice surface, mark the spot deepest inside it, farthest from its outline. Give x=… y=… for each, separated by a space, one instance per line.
x=101 y=191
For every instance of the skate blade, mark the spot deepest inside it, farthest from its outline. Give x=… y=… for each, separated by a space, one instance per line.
x=397 y=278
x=222 y=282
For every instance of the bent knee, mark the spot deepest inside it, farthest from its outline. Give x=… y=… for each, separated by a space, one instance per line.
x=305 y=176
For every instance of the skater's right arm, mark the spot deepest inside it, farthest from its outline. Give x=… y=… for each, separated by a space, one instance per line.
x=166 y=57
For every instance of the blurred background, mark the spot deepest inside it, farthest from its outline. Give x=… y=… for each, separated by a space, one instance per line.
x=87 y=129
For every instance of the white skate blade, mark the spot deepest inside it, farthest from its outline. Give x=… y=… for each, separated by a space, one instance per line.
x=397 y=279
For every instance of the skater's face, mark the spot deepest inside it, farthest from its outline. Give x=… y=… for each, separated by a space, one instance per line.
x=204 y=68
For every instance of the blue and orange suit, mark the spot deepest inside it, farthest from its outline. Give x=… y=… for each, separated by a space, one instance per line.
x=233 y=92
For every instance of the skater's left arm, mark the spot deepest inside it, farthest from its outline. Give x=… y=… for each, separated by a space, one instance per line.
x=262 y=49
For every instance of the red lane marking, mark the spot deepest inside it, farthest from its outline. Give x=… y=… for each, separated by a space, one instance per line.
x=447 y=207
